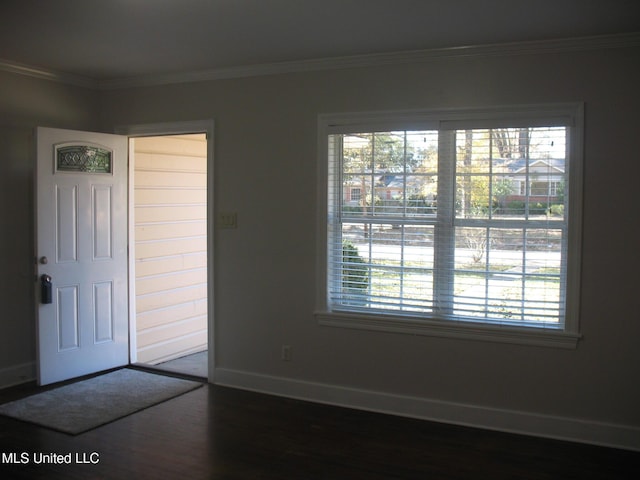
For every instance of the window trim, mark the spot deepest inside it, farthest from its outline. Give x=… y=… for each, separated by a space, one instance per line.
x=570 y=115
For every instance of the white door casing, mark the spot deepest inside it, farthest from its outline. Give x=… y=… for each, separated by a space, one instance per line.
x=81 y=243
x=176 y=128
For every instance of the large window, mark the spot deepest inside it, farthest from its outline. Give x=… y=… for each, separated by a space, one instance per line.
x=455 y=222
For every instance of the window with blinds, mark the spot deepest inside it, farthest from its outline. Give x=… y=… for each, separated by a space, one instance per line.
x=438 y=217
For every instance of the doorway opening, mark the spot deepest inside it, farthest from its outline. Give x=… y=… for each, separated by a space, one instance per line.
x=169 y=252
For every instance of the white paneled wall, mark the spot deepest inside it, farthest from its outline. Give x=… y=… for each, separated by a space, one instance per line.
x=170 y=208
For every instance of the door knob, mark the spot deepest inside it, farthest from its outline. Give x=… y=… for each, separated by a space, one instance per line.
x=44 y=260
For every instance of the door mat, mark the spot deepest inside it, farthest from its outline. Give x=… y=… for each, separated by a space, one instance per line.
x=82 y=406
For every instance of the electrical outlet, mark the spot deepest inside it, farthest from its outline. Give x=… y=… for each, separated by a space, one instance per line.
x=228 y=220
x=286 y=353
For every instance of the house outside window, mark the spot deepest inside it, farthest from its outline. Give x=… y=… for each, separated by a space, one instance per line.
x=542 y=177
x=466 y=224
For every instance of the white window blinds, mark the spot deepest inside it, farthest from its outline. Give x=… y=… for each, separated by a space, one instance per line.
x=453 y=222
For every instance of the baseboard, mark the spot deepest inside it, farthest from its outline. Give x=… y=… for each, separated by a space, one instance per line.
x=559 y=428
x=17 y=374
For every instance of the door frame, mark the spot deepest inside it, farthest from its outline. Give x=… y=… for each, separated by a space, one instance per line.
x=166 y=129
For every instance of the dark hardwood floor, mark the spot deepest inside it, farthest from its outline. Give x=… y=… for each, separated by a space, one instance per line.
x=222 y=433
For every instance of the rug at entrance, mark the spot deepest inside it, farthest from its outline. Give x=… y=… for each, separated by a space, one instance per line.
x=87 y=404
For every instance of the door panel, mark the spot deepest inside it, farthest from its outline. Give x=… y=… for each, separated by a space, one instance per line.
x=81 y=241
x=67 y=317
x=66 y=213
x=102 y=223
x=102 y=312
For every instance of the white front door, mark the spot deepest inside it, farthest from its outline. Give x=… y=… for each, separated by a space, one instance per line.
x=81 y=245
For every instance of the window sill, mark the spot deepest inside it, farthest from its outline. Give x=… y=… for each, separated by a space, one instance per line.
x=451 y=329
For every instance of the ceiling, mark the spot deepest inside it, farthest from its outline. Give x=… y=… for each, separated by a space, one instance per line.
x=111 y=39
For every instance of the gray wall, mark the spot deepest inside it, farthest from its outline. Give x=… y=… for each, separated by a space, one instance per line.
x=265 y=270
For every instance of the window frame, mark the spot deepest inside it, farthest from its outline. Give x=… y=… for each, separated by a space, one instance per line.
x=569 y=115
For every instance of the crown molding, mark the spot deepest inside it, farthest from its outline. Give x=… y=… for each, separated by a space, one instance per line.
x=48 y=74
x=381 y=59
x=336 y=63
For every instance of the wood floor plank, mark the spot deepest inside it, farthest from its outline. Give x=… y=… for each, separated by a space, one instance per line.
x=222 y=433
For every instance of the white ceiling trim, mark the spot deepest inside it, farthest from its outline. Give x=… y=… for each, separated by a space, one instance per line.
x=335 y=63
x=47 y=74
